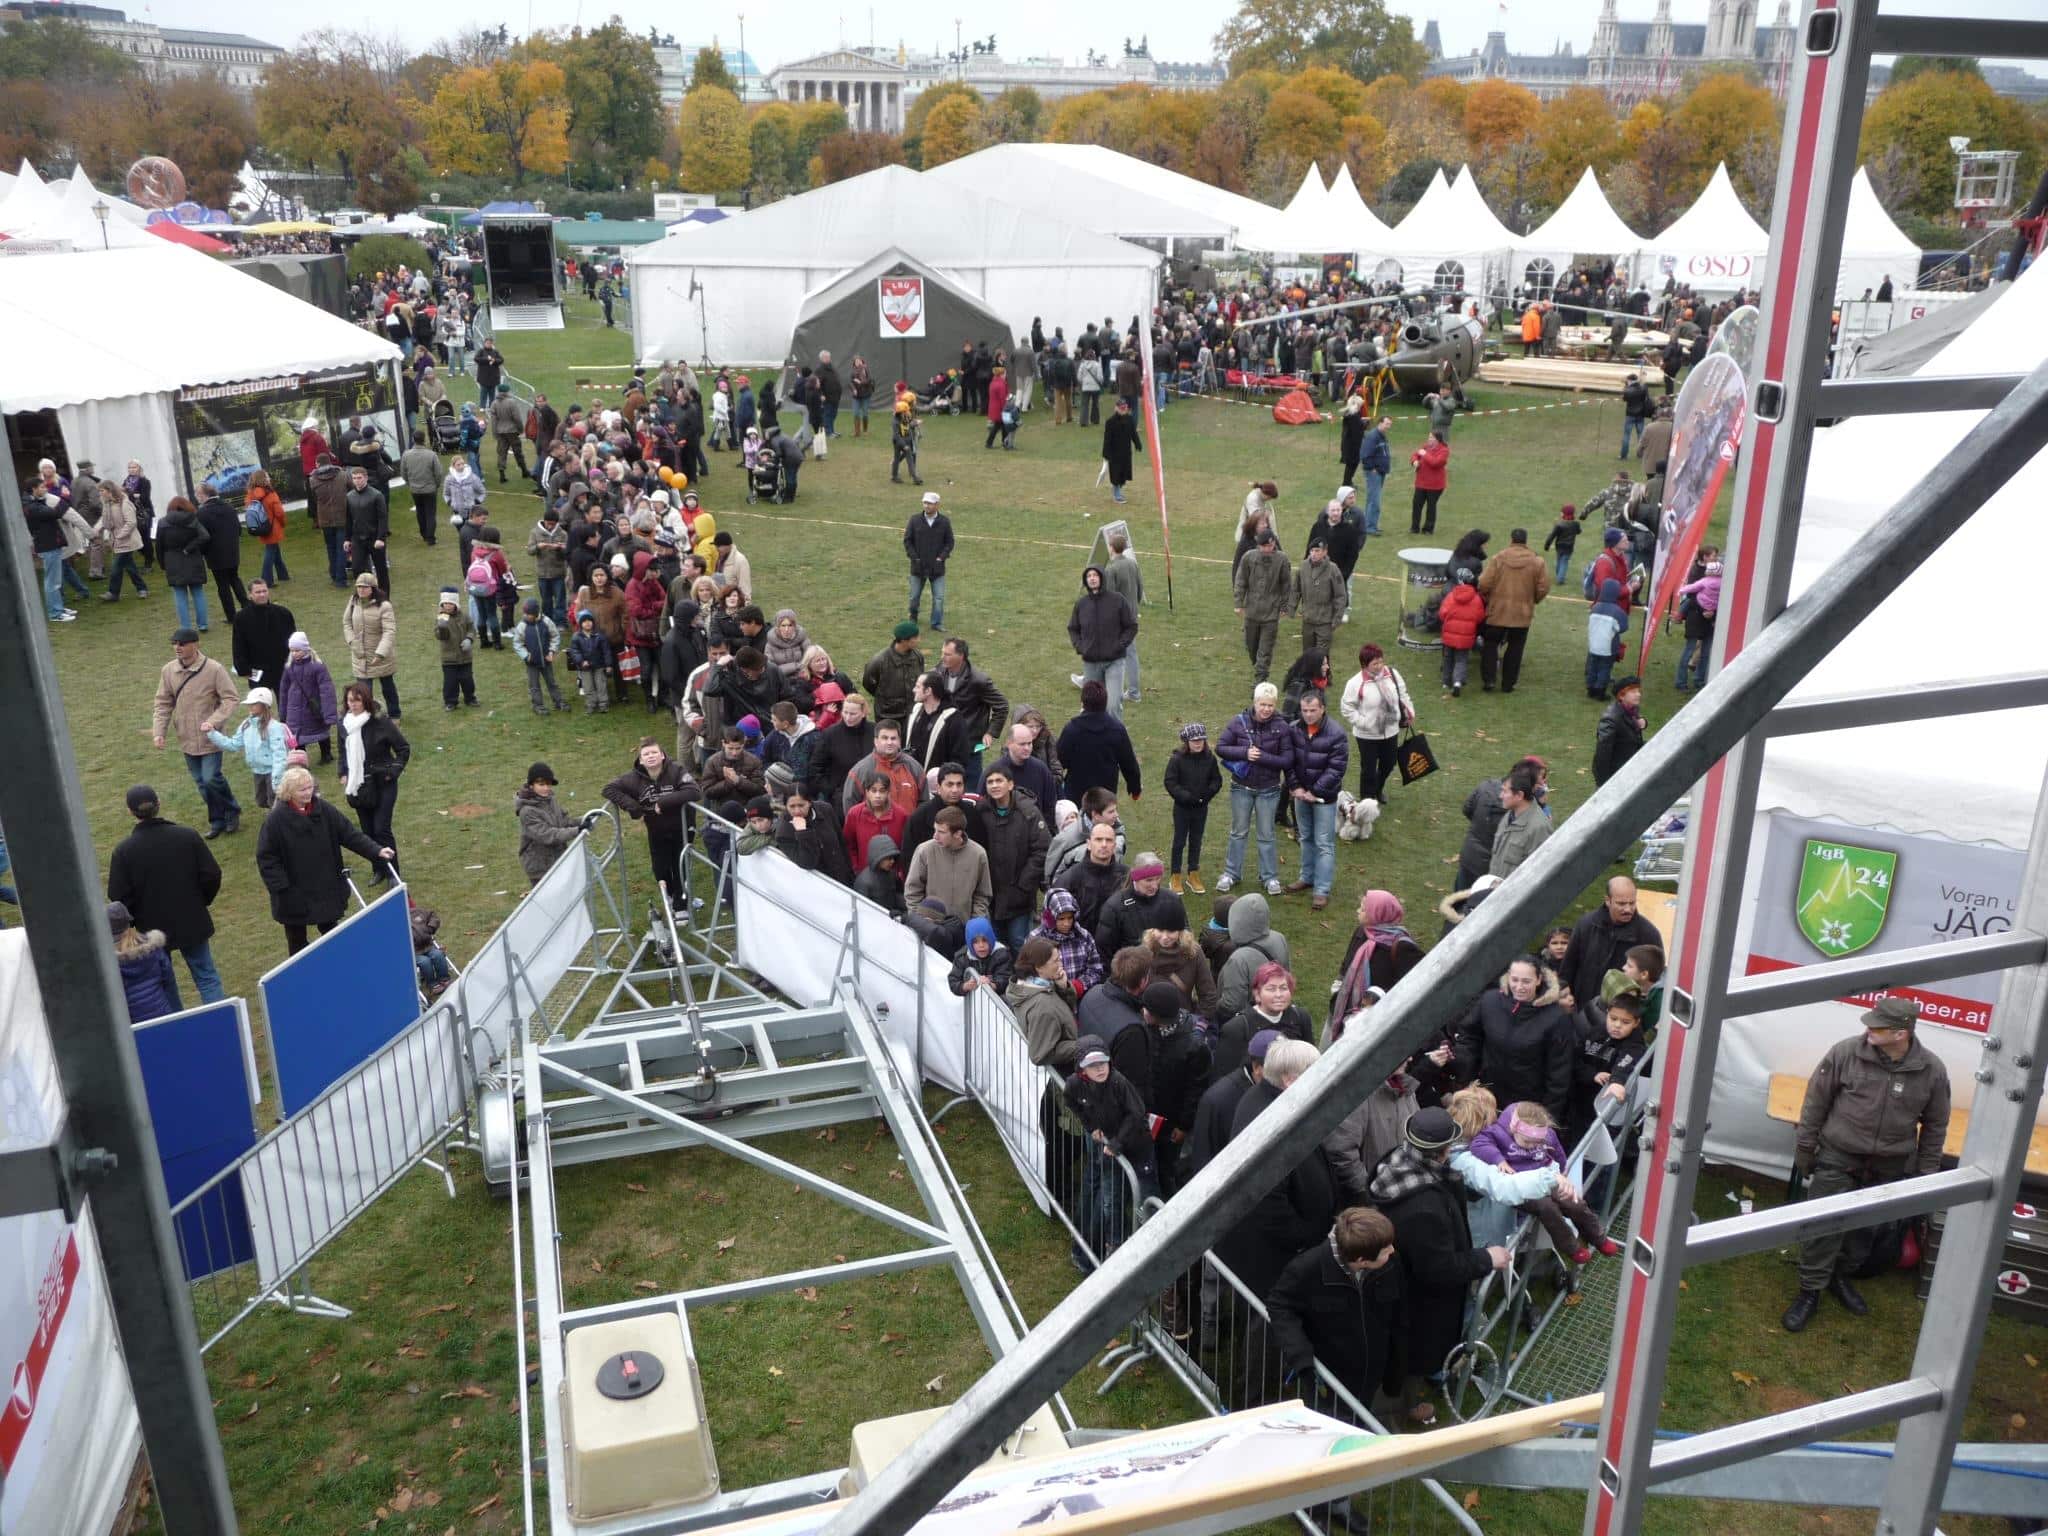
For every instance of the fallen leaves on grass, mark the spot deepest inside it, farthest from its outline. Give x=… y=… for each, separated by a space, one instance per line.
x=491 y=1503
x=1743 y=1378
x=446 y=1306
x=808 y=1292
x=935 y=1383
x=646 y=1285
x=469 y=1391
x=830 y=1133
x=774 y=1370
x=1471 y=1499
x=726 y=1244
x=638 y=1189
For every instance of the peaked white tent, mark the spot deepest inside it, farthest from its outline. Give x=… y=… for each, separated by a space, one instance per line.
x=1451 y=241
x=77 y=190
x=1955 y=815
x=1364 y=231
x=730 y=292
x=1081 y=196
x=1873 y=247
x=58 y=215
x=1714 y=247
x=1585 y=224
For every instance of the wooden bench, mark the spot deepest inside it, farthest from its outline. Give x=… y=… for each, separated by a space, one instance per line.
x=1788 y=1097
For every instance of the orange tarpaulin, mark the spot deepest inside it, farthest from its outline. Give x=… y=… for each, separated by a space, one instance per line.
x=179 y=234
x=1295 y=409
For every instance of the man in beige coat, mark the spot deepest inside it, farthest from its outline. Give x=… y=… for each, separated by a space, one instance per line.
x=196 y=694
x=1513 y=583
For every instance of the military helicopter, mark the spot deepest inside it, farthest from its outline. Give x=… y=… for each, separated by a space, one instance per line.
x=1425 y=341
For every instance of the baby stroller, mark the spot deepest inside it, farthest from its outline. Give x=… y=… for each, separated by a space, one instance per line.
x=447 y=430
x=764 y=472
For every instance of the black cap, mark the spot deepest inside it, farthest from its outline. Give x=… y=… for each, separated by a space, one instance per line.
x=541 y=773
x=184 y=637
x=142 y=801
x=1162 y=999
x=760 y=805
x=1431 y=1129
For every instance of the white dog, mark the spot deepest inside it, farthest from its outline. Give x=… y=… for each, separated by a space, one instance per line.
x=1355 y=817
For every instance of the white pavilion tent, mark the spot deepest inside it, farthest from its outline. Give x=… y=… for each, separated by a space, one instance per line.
x=40 y=216
x=1585 y=224
x=1873 y=247
x=1714 y=247
x=1451 y=241
x=1363 y=230
x=731 y=292
x=1082 y=196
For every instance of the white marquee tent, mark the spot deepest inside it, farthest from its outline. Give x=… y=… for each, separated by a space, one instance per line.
x=1977 y=792
x=732 y=291
x=106 y=339
x=1451 y=240
x=1714 y=247
x=1363 y=231
x=1873 y=247
x=1585 y=224
x=1081 y=195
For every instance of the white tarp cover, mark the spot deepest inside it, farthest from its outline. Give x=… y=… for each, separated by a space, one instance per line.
x=103 y=325
x=1082 y=197
x=68 y=1431
x=1585 y=224
x=1450 y=222
x=753 y=270
x=1714 y=247
x=1972 y=780
x=1362 y=229
x=1873 y=247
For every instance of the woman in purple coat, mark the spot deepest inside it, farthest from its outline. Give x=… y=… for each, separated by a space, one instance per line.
x=305 y=697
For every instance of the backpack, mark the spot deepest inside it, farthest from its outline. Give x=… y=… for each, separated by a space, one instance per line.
x=481 y=580
x=256 y=517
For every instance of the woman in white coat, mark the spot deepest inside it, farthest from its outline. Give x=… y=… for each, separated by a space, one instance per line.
x=1376 y=706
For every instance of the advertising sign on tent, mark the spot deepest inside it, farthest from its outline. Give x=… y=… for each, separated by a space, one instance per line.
x=1831 y=889
x=902 y=304
x=1711 y=411
x=226 y=432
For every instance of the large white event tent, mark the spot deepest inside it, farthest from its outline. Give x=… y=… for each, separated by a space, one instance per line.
x=1080 y=196
x=1714 y=247
x=1451 y=240
x=1362 y=230
x=107 y=339
x=1873 y=247
x=731 y=292
x=36 y=215
x=1955 y=800
x=1585 y=224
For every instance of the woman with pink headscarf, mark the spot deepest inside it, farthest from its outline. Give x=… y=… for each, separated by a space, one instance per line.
x=1382 y=952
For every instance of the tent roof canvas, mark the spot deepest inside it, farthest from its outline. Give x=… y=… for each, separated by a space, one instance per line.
x=1083 y=195
x=845 y=224
x=1451 y=219
x=1364 y=230
x=1585 y=224
x=1716 y=221
x=1981 y=786
x=97 y=325
x=1252 y=220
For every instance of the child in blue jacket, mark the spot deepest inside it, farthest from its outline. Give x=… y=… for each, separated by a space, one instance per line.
x=1606 y=624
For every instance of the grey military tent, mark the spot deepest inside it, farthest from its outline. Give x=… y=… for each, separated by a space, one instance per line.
x=844 y=317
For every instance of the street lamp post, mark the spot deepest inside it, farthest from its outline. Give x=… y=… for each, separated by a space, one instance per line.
x=100 y=210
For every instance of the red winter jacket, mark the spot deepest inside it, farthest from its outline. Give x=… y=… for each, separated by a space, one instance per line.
x=1612 y=565
x=1432 y=465
x=1463 y=610
x=998 y=397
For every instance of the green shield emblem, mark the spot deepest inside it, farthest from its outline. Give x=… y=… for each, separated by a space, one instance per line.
x=1844 y=892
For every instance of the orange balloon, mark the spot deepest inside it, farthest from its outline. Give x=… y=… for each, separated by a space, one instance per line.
x=679 y=480
x=668 y=476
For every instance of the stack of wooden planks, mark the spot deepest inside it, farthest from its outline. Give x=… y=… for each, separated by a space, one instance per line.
x=1568 y=373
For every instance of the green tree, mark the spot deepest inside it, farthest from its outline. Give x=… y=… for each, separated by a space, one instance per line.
x=709 y=69
x=1907 y=65
x=771 y=140
x=712 y=134
x=196 y=120
x=813 y=122
x=386 y=253
x=60 y=52
x=1017 y=116
x=1359 y=37
x=1719 y=118
x=330 y=105
x=921 y=107
x=951 y=129
x=615 y=115
x=1912 y=123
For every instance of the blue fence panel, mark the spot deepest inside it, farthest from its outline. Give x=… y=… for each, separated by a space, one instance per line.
x=198 y=1074
x=333 y=1005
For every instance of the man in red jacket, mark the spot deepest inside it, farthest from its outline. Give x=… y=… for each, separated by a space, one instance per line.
x=1612 y=564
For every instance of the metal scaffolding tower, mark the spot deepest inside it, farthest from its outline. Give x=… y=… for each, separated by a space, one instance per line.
x=1769 y=647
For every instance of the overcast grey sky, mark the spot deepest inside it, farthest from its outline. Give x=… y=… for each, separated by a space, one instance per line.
x=782 y=30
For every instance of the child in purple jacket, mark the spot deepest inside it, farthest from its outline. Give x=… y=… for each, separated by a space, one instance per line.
x=1525 y=1138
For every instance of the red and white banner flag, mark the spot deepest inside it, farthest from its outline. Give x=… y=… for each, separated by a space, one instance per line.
x=1155 y=451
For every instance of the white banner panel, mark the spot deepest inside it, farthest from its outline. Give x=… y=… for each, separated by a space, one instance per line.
x=549 y=931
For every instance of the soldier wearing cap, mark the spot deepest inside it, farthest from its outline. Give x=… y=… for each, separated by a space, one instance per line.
x=1876 y=1110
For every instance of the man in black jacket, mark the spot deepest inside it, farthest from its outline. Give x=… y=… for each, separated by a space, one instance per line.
x=223 y=548
x=1339 y=1304
x=167 y=877
x=1101 y=630
x=1014 y=833
x=1601 y=940
x=979 y=701
x=829 y=391
x=369 y=527
x=928 y=541
x=807 y=832
x=1636 y=410
x=949 y=788
x=1167 y=1060
x=261 y=635
x=656 y=790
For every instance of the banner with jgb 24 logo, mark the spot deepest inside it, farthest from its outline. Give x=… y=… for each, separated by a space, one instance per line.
x=1829 y=890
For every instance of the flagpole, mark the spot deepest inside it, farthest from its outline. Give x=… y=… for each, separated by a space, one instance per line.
x=1157 y=455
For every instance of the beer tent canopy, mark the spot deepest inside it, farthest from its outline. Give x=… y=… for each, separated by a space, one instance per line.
x=844 y=318
x=1450 y=239
x=1714 y=247
x=1585 y=224
x=1873 y=247
x=1361 y=230
x=106 y=339
x=1080 y=194
x=731 y=293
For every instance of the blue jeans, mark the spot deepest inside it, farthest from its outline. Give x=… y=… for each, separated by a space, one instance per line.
x=53 y=582
x=1631 y=428
x=221 y=805
x=191 y=606
x=1598 y=670
x=337 y=560
x=125 y=563
x=1244 y=805
x=1693 y=654
x=199 y=961
x=1130 y=672
x=433 y=965
x=1111 y=675
x=554 y=598
x=1106 y=1214
x=831 y=419
x=938 y=586
x=73 y=582
x=1374 y=480
x=273 y=564
x=1013 y=931
x=1317 y=823
x=484 y=611
x=1564 y=563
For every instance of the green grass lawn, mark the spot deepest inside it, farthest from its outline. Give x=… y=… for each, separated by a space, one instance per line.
x=403 y=1417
